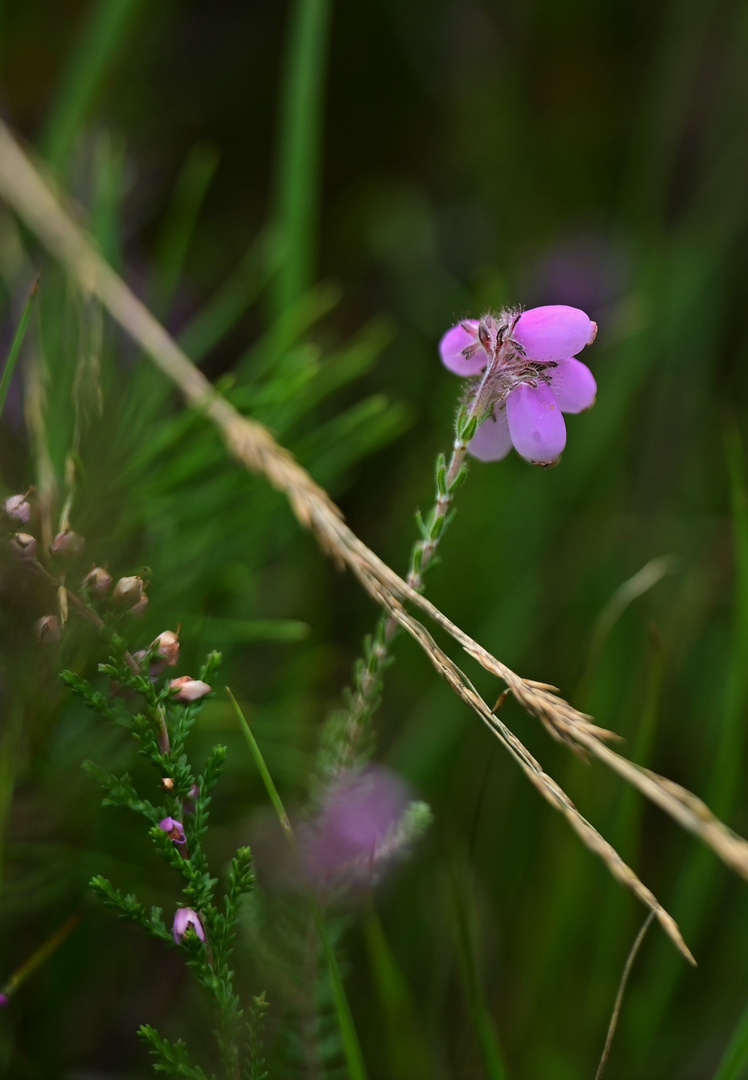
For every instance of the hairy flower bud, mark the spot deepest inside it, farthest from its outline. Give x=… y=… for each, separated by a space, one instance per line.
x=184 y=920
x=173 y=829
x=185 y=689
x=18 y=509
x=24 y=545
x=128 y=591
x=166 y=647
x=47 y=629
x=98 y=580
x=67 y=544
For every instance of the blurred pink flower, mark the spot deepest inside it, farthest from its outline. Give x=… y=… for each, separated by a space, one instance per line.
x=529 y=376
x=355 y=832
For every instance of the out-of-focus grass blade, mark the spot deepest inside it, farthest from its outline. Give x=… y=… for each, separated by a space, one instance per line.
x=353 y=1055
x=734 y=1064
x=233 y=298
x=249 y=630
x=179 y=224
x=694 y=889
x=360 y=429
x=299 y=149
x=637 y=585
x=488 y=1040
x=404 y=1036
x=102 y=36
x=273 y=351
x=108 y=185
x=15 y=346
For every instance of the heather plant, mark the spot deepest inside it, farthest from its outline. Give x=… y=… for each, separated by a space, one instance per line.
x=457 y=164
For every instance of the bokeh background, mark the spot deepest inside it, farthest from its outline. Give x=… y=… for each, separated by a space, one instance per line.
x=309 y=194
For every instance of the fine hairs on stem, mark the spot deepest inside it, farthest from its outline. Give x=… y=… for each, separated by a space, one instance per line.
x=32 y=198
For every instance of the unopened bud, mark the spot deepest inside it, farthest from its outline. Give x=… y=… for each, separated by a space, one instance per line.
x=18 y=509
x=185 y=689
x=67 y=544
x=47 y=629
x=98 y=580
x=167 y=783
x=128 y=591
x=166 y=647
x=24 y=545
x=138 y=609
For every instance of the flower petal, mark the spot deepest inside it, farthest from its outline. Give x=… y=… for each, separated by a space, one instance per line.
x=491 y=441
x=535 y=423
x=455 y=341
x=554 y=332
x=573 y=384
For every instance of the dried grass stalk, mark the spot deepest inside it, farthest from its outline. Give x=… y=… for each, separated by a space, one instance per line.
x=34 y=200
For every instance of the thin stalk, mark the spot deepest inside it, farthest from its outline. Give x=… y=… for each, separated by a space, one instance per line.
x=352 y=1047
x=345 y=743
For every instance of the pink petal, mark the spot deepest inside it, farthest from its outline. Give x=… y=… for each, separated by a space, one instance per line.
x=491 y=441
x=554 y=332
x=454 y=342
x=535 y=423
x=573 y=384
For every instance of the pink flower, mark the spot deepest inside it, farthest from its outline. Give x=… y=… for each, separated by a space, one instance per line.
x=529 y=376
x=184 y=689
x=173 y=829
x=355 y=831
x=186 y=919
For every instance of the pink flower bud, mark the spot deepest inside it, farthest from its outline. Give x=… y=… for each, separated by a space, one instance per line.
x=173 y=828
x=24 y=545
x=128 y=591
x=184 y=920
x=98 y=581
x=166 y=646
x=67 y=544
x=185 y=689
x=18 y=509
x=47 y=630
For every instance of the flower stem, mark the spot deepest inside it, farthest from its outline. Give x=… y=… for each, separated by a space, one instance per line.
x=347 y=737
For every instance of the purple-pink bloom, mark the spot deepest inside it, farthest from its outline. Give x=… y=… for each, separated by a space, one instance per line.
x=185 y=919
x=174 y=829
x=529 y=376
x=346 y=842
x=3 y=1001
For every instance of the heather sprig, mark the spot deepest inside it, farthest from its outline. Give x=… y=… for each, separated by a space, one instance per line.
x=523 y=373
x=160 y=718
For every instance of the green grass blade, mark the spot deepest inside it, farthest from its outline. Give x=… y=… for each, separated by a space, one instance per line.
x=179 y=225
x=354 y=1057
x=405 y=1037
x=299 y=150
x=235 y=296
x=99 y=43
x=488 y=1041
x=734 y=1064
x=15 y=346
